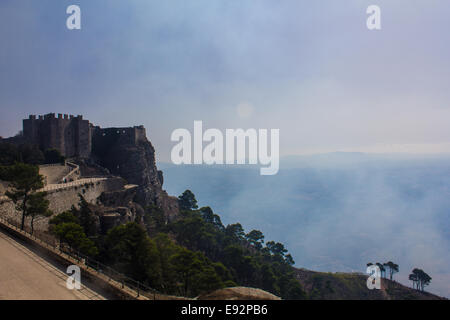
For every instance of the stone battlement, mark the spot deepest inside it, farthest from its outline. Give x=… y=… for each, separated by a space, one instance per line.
x=123 y=136
x=73 y=136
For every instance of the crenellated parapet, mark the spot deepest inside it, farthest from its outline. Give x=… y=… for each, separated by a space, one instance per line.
x=73 y=136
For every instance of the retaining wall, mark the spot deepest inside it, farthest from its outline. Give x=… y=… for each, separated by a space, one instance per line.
x=63 y=196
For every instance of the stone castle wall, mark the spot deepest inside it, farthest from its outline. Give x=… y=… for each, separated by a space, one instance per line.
x=71 y=135
x=118 y=136
x=123 y=152
x=62 y=198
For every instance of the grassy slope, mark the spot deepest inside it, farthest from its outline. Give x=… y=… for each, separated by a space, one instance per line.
x=347 y=286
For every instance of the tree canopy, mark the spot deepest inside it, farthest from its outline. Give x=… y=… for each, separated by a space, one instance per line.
x=392 y=268
x=24 y=181
x=187 y=201
x=420 y=279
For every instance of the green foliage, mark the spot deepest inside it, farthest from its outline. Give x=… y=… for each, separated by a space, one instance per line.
x=161 y=263
x=289 y=260
x=130 y=250
x=295 y=291
x=210 y=217
x=382 y=269
x=188 y=268
x=31 y=154
x=37 y=207
x=83 y=216
x=166 y=250
x=187 y=201
x=235 y=232
x=86 y=217
x=66 y=216
x=195 y=273
x=193 y=232
x=276 y=248
x=23 y=177
x=26 y=153
x=53 y=156
x=247 y=262
x=73 y=234
x=9 y=154
x=420 y=279
x=255 y=238
x=154 y=219
x=68 y=226
x=24 y=180
x=392 y=268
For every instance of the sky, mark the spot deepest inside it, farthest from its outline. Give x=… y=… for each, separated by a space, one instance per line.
x=309 y=68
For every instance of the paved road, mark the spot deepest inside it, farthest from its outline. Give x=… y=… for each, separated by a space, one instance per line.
x=26 y=276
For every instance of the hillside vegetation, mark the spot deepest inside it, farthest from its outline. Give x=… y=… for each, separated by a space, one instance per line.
x=193 y=253
x=352 y=286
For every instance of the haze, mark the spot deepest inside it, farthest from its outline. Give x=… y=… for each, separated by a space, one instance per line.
x=309 y=68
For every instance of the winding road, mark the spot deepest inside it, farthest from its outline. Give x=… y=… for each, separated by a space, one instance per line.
x=26 y=276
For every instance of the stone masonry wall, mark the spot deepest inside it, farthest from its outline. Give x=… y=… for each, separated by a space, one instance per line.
x=70 y=135
x=62 y=198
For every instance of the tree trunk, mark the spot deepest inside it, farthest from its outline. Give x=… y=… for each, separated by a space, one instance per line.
x=186 y=286
x=24 y=212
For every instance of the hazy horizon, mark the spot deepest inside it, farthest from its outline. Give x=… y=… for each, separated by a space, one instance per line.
x=336 y=214
x=311 y=69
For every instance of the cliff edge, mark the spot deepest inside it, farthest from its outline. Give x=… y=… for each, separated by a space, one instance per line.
x=133 y=160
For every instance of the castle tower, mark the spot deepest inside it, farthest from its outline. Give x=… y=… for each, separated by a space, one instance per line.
x=70 y=135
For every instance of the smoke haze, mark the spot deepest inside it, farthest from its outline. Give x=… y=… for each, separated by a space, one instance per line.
x=337 y=212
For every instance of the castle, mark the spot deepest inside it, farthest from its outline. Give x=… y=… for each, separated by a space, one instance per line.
x=104 y=161
x=73 y=136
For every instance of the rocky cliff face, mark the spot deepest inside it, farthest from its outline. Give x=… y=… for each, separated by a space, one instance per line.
x=135 y=162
